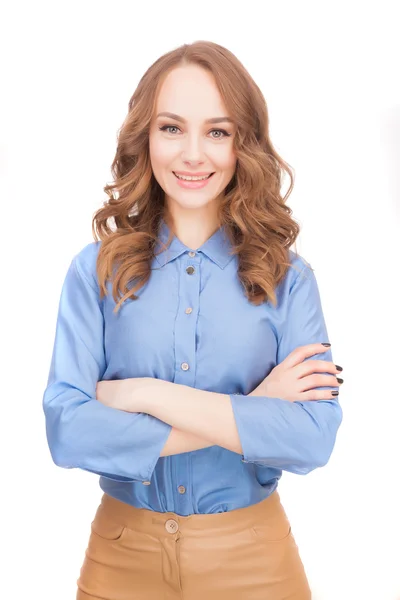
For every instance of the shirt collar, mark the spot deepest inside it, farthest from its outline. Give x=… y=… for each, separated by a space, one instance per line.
x=216 y=248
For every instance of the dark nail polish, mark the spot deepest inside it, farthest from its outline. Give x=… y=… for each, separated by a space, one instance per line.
x=339 y=368
x=335 y=393
x=339 y=379
x=326 y=344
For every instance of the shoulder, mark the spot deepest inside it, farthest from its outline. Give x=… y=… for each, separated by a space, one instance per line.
x=88 y=254
x=85 y=261
x=300 y=267
x=299 y=276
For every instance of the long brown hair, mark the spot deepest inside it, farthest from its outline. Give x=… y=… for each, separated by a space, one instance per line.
x=252 y=211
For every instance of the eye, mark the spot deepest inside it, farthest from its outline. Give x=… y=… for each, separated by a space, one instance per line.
x=225 y=133
x=165 y=127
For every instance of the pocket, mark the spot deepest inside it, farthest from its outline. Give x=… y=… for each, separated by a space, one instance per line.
x=106 y=528
x=277 y=531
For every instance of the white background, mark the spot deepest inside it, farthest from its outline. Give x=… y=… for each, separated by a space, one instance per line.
x=329 y=72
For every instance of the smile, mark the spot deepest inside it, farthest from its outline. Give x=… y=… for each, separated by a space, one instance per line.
x=193 y=178
x=192 y=183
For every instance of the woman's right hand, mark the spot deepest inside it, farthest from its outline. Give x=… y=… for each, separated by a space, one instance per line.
x=294 y=378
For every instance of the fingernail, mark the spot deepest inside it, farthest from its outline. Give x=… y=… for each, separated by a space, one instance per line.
x=335 y=393
x=325 y=344
x=339 y=379
x=339 y=368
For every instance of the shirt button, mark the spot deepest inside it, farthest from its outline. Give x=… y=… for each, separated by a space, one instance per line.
x=184 y=366
x=192 y=254
x=181 y=489
x=188 y=310
x=171 y=526
x=146 y=482
x=190 y=270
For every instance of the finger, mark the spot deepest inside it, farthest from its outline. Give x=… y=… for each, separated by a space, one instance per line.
x=299 y=354
x=315 y=366
x=315 y=395
x=315 y=380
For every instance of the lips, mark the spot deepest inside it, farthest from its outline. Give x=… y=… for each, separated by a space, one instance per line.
x=194 y=175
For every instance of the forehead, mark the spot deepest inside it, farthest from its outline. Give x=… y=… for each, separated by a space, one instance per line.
x=192 y=93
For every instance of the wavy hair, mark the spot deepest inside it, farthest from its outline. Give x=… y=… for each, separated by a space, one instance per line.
x=253 y=212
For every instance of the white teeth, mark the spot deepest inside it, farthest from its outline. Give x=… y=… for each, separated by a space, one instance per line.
x=187 y=178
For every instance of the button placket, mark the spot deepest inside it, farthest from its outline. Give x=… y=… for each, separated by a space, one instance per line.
x=190 y=270
x=188 y=294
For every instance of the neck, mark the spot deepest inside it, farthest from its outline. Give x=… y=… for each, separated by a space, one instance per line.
x=192 y=228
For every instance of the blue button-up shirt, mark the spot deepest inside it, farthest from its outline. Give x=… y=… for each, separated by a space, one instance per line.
x=222 y=344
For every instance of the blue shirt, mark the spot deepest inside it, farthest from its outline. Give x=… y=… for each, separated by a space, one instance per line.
x=192 y=326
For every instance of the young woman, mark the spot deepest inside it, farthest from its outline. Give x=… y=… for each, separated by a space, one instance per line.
x=190 y=364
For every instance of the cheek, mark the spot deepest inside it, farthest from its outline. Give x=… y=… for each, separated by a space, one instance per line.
x=224 y=159
x=160 y=153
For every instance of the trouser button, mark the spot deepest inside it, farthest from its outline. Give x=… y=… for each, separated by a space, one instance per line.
x=171 y=526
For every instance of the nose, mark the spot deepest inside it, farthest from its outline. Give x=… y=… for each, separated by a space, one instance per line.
x=192 y=151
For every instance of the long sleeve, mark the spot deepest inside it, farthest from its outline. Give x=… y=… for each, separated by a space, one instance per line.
x=292 y=436
x=82 y=432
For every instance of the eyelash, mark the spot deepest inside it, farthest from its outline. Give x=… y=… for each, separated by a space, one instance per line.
x=226 y=134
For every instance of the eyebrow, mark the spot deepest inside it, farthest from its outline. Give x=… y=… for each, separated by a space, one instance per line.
x=182 y=120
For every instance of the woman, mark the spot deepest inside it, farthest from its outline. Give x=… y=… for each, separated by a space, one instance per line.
x=180 y=370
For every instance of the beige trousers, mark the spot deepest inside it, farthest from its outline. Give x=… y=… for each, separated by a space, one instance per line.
x=244 y=554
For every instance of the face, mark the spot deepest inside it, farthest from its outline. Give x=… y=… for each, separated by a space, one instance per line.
x=185 y=143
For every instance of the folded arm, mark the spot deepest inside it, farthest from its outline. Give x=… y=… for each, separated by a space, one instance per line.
x=82 y=432
x=206 y=415
x=180 y=441
x=292 y=436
